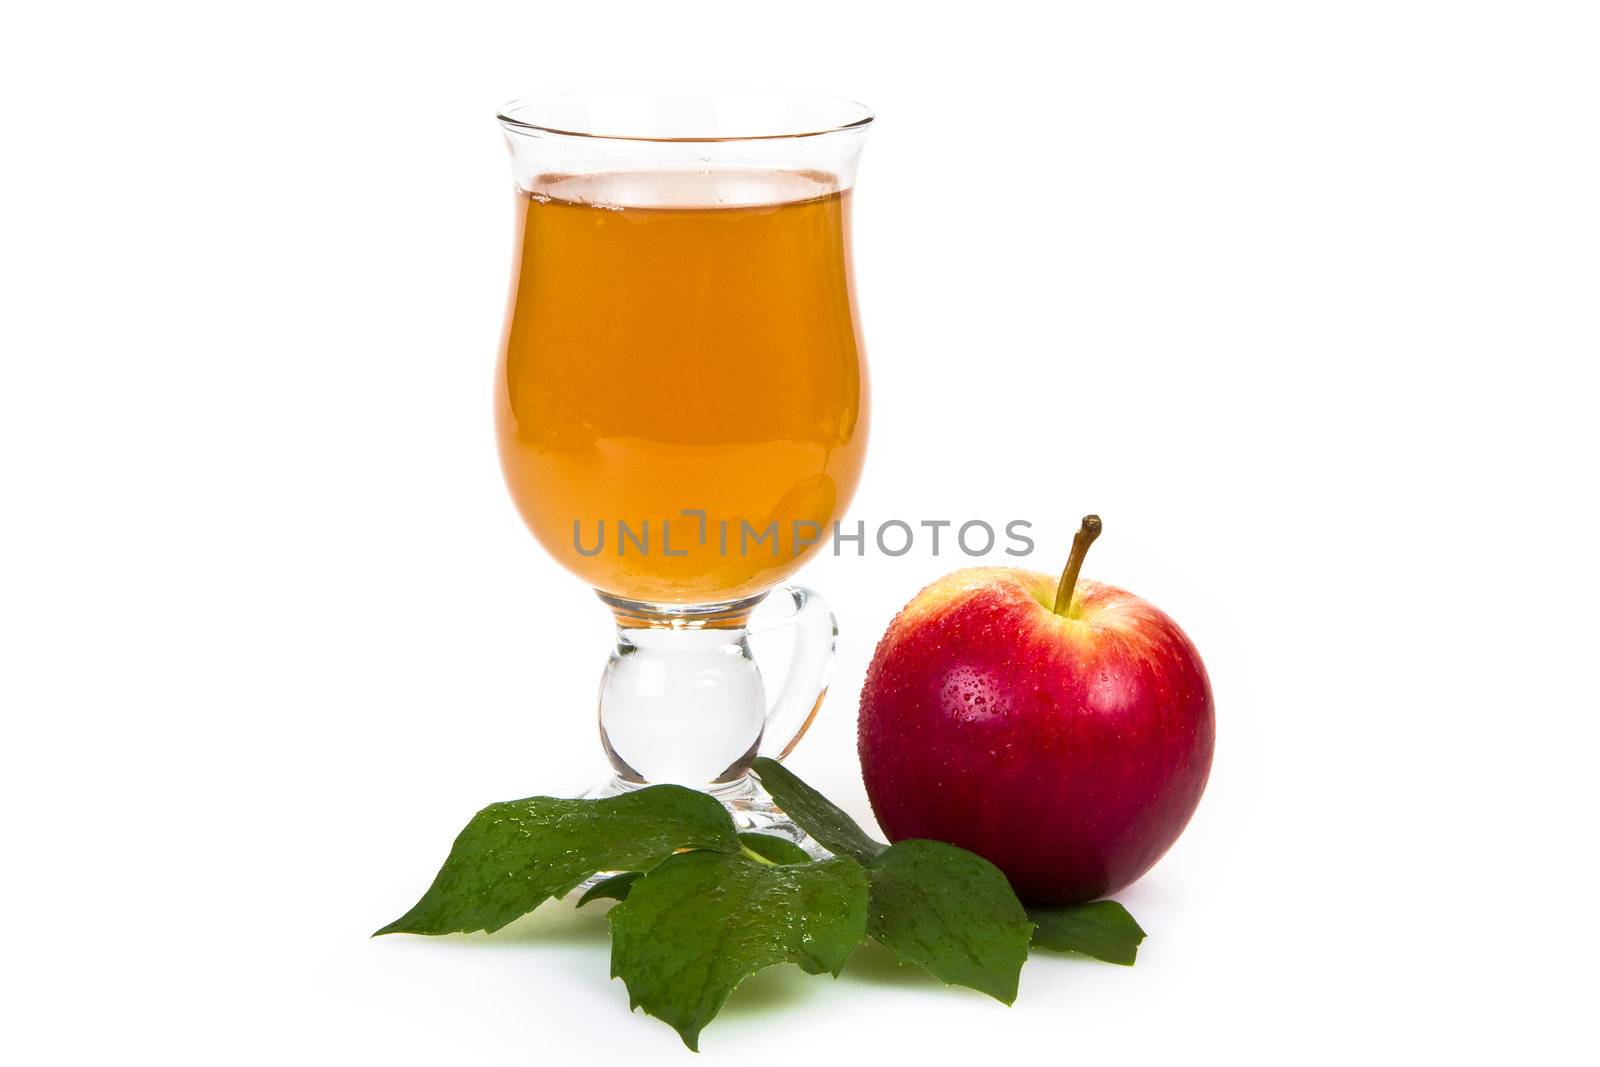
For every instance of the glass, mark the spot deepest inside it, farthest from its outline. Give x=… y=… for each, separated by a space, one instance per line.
x=681 y=402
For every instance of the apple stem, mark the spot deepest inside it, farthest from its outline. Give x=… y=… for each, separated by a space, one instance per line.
x=1080 y=548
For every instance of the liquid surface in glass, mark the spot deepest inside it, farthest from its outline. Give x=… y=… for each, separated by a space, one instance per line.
x=682 y=341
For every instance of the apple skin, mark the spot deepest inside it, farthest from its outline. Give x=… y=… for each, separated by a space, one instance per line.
x=1068 y=751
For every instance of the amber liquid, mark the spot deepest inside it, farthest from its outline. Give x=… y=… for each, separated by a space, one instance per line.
x=682 y=342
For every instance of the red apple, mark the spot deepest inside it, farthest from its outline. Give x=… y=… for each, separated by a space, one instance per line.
x=1062 y=730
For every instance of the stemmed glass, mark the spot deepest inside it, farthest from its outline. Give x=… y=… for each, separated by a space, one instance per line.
x=681 y=402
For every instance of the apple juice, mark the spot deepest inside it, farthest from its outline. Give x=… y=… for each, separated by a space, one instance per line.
x=680 y=340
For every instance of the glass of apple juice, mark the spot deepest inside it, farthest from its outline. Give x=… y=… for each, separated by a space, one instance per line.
x=681 y=403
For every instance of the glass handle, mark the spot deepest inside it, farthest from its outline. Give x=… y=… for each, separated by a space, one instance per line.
x=816 y=634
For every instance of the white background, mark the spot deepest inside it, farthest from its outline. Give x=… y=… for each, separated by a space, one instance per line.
x=1302 y=298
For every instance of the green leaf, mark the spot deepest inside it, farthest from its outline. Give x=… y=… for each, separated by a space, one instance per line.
x=1103 y=929
x=950 y=912
x=514 y=856
x=776 y=849
x=694 y=927
x=815 y=813
x=614 y=888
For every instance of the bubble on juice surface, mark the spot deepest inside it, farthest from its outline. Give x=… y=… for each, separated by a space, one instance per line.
x=716 y=187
